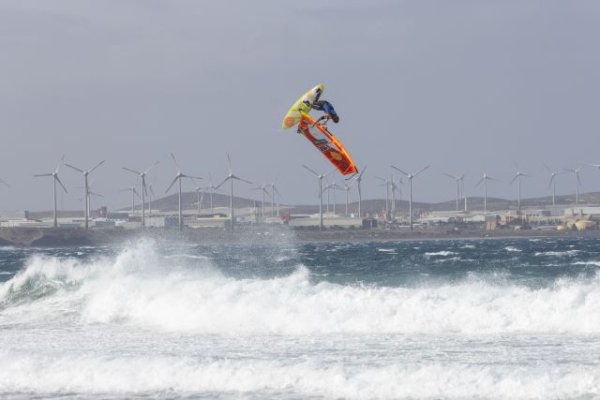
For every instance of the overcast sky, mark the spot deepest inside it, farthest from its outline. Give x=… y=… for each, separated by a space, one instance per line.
x=460 y=85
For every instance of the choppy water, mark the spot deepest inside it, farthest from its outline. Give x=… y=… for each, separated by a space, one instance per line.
x=495 y=319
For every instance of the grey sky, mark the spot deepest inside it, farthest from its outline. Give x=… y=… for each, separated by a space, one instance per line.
x=461 y=85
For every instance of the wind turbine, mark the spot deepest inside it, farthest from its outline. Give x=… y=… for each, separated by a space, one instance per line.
x=552 y=183
x=89 y=199
x=386 y=183
x=231 y=177
x=55 y=179
x=320 y=178
x=212 y=189
x=134 y=193
x=484 y=178
x=274 y=192
x=410 y=178
x=358 y=180
x=86 y=197
x=263 y=192
x=577 y=173
x=394 y=188
x=199 y=198
x=517 y=177
x=144 y=190
x=346 y=188
x=459 y=179
x=178 y=179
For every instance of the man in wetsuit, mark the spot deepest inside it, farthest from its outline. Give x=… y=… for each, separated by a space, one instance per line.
x=322 y=105
x=328 y=111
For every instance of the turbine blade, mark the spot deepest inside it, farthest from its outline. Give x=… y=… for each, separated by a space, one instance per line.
x=97 y=165
x=240 y=179
x=362 y=172
x=75 y=168
x=310 y=170
x=327 y=174
x=229 y=164
x=132 y=171
x=38 y=175
x=191 y=177
x=451 y=176
x=479 y=182
x=176 y=163
x=172 y=183
x=547 y=167
x=513 y=179
x=399 y=170
x=221 y=184
x=152 y=166
x=60 y=183
x=421 y=170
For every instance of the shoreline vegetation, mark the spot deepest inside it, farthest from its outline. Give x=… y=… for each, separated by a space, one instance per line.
x=38 y=237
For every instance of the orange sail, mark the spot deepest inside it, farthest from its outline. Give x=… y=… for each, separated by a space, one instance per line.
x=327 y=144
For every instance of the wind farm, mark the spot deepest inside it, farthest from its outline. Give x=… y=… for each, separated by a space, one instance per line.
x=259 y=206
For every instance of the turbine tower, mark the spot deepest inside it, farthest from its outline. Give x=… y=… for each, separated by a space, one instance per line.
x=212 y=189
x=320 y=178
x=89 y=199
x=144 y=189
x=264 y=193
x=386 y=183
x=577 y=173
x=86 y=187
x=134 y=193
x=274 y=193
x=199 y=197
x=178 y=179
x=410 y=178
x=517 y=177
x=358 y=180
x=151 y=196
x=484 y=178
x=394 y=188
x=231 y=177
x=552 y=183
x=55 y=179
x=459 y=179
x=346 y=188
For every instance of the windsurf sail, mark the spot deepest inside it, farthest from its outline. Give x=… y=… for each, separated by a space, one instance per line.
x=327 y=144
x=302 y=105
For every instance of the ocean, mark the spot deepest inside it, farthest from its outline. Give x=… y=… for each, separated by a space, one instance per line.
x=464 y=319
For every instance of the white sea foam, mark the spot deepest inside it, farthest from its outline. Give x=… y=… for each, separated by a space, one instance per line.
x=566 y=253
x=89 y=375
x=591 y=262
x=512 y=249
x=142 y=289
x=443 y=253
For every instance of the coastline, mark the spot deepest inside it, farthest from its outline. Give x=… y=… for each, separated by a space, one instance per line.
x=65 y=237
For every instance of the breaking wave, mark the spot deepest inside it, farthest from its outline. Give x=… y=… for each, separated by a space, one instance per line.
x=140 y=287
